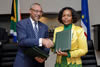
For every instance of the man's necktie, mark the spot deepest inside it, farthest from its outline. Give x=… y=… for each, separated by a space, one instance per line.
x=36 y=30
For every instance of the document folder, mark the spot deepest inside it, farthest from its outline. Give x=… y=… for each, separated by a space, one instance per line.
x=63 y=40
x=36 y=51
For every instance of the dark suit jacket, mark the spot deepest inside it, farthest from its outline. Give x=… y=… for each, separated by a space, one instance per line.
x=26 y=38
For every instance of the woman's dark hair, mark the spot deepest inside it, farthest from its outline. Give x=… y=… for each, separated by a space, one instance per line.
x=75 y=16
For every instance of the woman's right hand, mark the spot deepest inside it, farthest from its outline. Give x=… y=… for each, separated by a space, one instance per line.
x=60 y=53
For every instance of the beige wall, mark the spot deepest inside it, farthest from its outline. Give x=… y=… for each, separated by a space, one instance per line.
x=48 y=5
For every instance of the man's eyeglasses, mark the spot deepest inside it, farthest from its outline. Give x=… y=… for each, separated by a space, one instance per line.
x=37 y=11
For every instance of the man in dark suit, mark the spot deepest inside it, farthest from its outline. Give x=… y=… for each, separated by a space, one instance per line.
x=31 y=32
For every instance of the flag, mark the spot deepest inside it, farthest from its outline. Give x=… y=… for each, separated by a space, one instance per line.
x=85 y=18
x=15 y=17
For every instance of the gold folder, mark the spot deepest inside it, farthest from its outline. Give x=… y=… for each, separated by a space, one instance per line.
x=63 y=41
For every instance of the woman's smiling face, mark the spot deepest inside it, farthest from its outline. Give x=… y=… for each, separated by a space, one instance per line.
x=67 y=17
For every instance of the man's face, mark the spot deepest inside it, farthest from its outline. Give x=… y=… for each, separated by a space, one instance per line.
x=36 y=12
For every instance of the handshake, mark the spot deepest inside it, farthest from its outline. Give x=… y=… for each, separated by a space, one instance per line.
x=47 y=43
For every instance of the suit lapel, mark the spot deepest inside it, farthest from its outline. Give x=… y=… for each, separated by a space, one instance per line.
x=40 y=29
x=30 y=27
x=32 y=30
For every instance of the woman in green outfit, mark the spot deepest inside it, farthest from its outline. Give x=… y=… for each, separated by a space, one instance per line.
x=72 y=58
